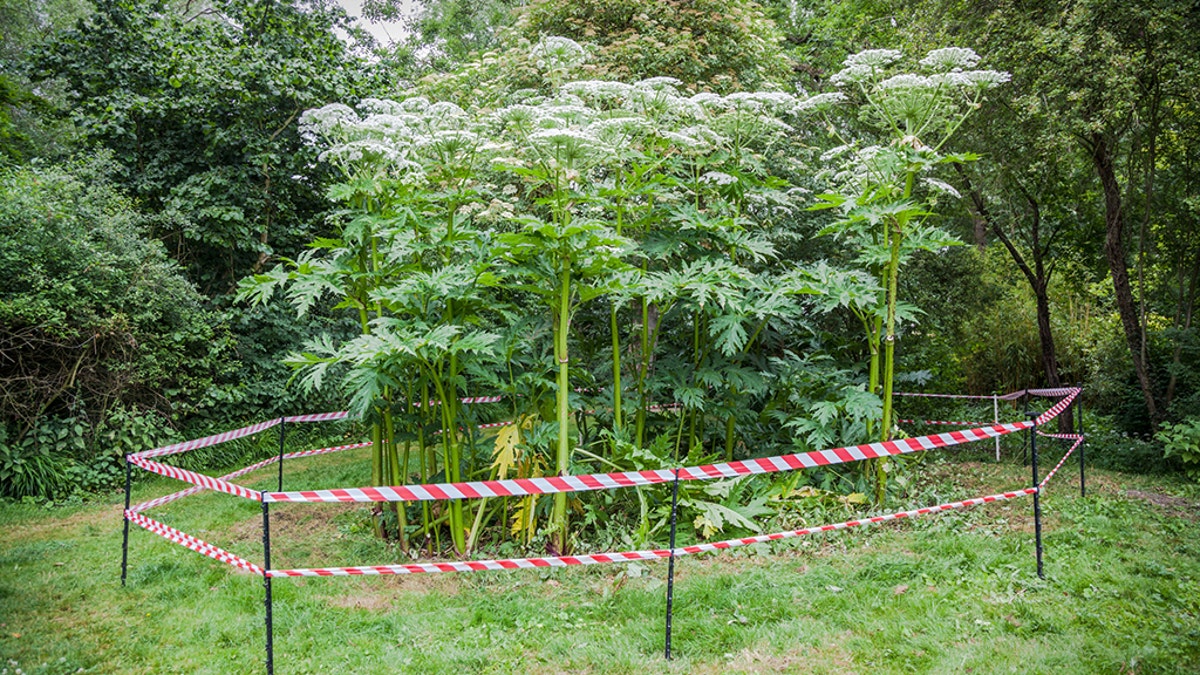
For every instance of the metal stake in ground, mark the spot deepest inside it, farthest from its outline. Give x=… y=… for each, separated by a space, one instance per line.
x=282 y=424
x=1037 y=504
x=996 y=420
x=125 y=513
x=1082 y=472
x=671 y=561
x=267 y=586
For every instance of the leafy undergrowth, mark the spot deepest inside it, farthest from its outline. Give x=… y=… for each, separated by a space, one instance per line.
x=956 y=592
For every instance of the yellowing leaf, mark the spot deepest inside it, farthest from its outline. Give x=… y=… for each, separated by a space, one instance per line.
x=504 y=454
x=524 y=521
x=853 y=498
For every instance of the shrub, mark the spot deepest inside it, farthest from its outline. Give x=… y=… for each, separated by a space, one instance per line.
x=92 y=315
x=1182 y=441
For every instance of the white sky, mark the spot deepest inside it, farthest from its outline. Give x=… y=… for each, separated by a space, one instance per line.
x=386 y=32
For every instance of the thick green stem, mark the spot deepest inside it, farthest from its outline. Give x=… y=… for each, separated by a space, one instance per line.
x=563 y=457
x=729 y=428
x=643 y=373
x=616 y=366
x=451 y=461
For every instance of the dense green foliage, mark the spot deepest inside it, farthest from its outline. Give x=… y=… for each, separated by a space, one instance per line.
x=95 y=319
x=199 y=108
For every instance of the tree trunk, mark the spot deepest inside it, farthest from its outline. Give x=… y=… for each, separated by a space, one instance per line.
x=1114 y=251
x=1038 y=277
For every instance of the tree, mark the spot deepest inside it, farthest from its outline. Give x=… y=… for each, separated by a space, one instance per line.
x=201 y=108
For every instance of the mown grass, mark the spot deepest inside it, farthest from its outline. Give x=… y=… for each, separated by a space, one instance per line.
x=950 y=593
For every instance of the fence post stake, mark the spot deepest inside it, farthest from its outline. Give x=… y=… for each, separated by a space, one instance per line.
x=267 y=585
x=1082 y=471
x=1037 y=504
x=282 y=426
x=125 y=515
x=671 y=561
x=996 y=420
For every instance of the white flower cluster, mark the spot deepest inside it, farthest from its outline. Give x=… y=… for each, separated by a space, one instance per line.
x=873 y=58
x=718 y=178
x=820 y=101
x=950 y=58
x=907 y=81
x=555 y=53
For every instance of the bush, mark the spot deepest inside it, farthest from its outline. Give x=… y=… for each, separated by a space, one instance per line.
x=96 y=323
x=1182 y=441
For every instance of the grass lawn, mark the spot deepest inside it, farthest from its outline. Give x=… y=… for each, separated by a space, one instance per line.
x=950 y=593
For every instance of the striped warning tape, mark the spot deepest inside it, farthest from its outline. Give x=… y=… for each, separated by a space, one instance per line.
x=629 y=556
x=603 y=481
x=196 y=478
x=184 y=539
x=207 y=441
x=167 y=499
x=962 y=396
x=606 y=481
x=318 y=417
x=943 y=423
x=1068 y=437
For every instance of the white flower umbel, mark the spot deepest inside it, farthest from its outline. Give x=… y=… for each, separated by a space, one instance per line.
x=554 y=53
x=379 y=106
x=598 y=91
x=331 y=122
x=416 y=104
x=820 y=101
x=718 y=178
x=986 y=79
x=941 y=186
x=907 y=81
x=873 y=58
x=444 y=114
x=659 y=83
x=855 y=74
x=949 y=58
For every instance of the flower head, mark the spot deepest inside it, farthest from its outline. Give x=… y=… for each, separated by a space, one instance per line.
x=949 y=58
x=873 y=58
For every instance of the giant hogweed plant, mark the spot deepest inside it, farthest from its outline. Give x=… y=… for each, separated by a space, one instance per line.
x=451 y=221
x=885 y=191
x=409 y=264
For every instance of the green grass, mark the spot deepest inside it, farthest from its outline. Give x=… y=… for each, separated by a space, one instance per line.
x=950 y=593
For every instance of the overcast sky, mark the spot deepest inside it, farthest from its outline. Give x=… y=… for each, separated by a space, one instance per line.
x=386 y=32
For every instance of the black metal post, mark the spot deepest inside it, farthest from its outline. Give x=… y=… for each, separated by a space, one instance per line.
x=1037 y=504
x=125 y=515
x=282 y=425
x=1082 y=470
x=267 y=586
x=1025 y=445
x=671 y=562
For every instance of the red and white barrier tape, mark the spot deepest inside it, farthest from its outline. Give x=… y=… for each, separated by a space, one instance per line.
x=963 y=396
x=1068 y=437
x=943 y=423
x=628 y=556
x=602 y=481
x=318 y=417
x=605 y=481
x=184 y=539
x=167 y=499
x=196 y=478
x=207 y=441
